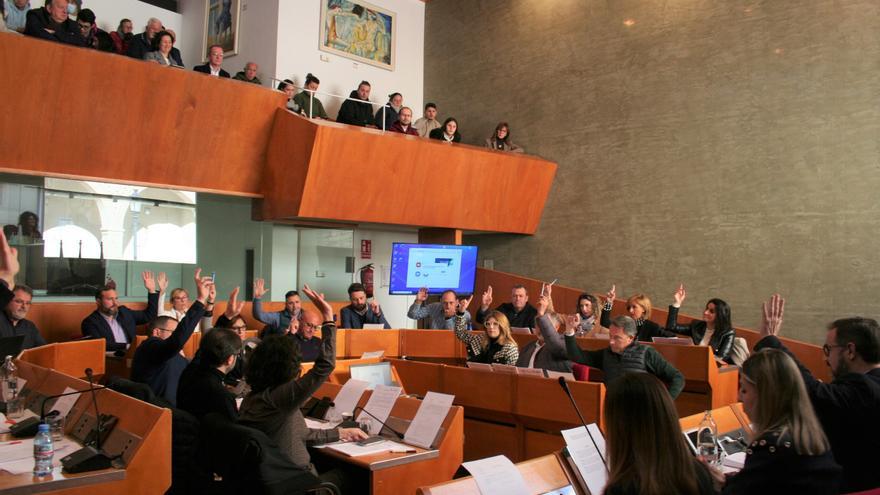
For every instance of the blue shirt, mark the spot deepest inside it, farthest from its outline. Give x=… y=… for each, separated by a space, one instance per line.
x=16 y=18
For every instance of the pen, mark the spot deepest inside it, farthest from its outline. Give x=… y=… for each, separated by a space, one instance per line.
x=403 y=451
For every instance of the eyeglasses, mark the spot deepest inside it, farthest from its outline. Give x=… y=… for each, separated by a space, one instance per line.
x=826 y=349
x=239 y=329
x=310 y=325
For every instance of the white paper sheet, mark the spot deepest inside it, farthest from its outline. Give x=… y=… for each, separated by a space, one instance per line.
x=556 y=374
x=64 y=404
x=734 y=461
x=352 y=449
x=430 y=416
x=347 y=398
x=319 y=425
x=504 y=368
x=495 y=475
x=586 y=457
x=380 y=404
x=530 y=372
x=479 y=366
x=373 y=354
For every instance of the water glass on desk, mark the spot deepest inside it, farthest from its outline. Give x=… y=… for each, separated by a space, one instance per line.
x=366 y=425
x=56 y=426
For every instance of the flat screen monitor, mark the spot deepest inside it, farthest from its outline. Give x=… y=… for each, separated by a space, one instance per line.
x=439 y=267
x=373 y=373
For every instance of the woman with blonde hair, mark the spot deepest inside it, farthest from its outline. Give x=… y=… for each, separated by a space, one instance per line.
x=789 y=452
x=638 y=306
x=646 y=451
x=496 y=345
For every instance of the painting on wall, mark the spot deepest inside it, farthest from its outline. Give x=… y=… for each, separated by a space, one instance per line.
x=221 y=26
x=359 y=31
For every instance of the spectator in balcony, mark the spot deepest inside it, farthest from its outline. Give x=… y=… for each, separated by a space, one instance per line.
x=142 y=43
x=175 y=53
x=29 y=223
x=501 y=139
x=215 y=60
x=357 y=109
x=95 y=37
x=403 y=124
x=2 y=17
x=304 y=100
x=162 y=44
x=122 y=36
x=16 y=14
x=249 y=74
x=388 y=113
x=52 y=23
x=428 y=122
x=287 y=87
x=15 y=321
x=448 y=133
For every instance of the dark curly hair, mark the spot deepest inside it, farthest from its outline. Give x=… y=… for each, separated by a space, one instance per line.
x=274 y=362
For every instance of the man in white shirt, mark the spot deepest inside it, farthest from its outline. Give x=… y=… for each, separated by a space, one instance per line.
x=215 y=60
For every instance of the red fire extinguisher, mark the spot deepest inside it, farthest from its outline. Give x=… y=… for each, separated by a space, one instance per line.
x=366 y=273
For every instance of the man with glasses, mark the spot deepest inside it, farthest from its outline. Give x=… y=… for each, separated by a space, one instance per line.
x=15 y=321
x=158 y=361
x=625 y=354
x=849 y=406
x=518 y=311
x=304 y=335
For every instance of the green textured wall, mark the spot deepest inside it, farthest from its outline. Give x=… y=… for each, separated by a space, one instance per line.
x=729 y=145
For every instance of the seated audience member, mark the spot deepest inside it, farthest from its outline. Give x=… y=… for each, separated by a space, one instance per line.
x=249 y=74
x=179 y=303
x=387 y=115
x=359 y=312
x=201 y=389
x=357 y=109
x=157 y=361
x=586 y=318
x=123 y=36
x=163 y=43
x=441 y=315
x=625 y=354
x=428 y=122
x=117 y=324
x=16 y=14
x=639 y=308
x=305 y=99
x=789 y=452
x=303 y=331
x=715 y=329
x=548 y=350
x=277 y=321
x=278 y=392
x=94 y=37
x=849 y=406
x=496 y=345
x=448 y=133
x=16 y=303
x=215 y=60
x=403 y=124
x=52 y=23
x=500 y=140
x=142 y=43
x=287 y=87
x=175 y=53
x=518 y=311
x=645 y=450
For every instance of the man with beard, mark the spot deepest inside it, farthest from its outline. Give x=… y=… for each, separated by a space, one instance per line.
x=357 y=313
x=849 y=406
x=117 y=324
x=16 y=310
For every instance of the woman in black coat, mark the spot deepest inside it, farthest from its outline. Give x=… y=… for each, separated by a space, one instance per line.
x=715 y=329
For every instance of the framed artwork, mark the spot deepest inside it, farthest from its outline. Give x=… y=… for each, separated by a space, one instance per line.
x=221 y=26
x=359 y=31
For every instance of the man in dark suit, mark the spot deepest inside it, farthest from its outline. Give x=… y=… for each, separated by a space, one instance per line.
x=14 y=322
x=215 y=60
x=117 y=324
x=51 y=23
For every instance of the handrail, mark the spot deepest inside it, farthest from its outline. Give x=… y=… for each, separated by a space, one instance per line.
x=312 y=94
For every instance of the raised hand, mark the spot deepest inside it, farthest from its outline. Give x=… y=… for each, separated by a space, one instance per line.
x=422 y=296
x=233 y=305
x=543 y=304
x=203 y=286
x=374 y=307
x=8 y=262
x=149 y=281
x=260 y=288
x=318 y=299
x=612 y=293
x=679 y=296
x=771 y=322
x=572 y=322
x=487 y=299
x=162 y=280
x=464 y=303
x=212 y=295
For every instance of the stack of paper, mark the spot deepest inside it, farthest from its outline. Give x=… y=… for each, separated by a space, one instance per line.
x=497 y=475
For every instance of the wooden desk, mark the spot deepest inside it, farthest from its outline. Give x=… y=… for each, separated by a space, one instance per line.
x=728 y=418
x=70 y=358
x=142 y=438
x=541 y=475
x=390 y=473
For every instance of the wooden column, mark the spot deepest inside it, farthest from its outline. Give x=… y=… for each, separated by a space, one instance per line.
x=440 y=236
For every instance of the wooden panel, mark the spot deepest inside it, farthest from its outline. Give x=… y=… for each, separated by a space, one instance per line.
x=398 y=179
x=485 y=439
x=431 y=344
x=357 y=342
x=418 y=378
x=484 y=390
x=538 y=443
x=70 y=358
x=541 y=404
x=147 y=124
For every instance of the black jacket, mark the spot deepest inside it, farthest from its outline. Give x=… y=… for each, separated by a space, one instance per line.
x=438 y=134
x=552 y=355
x=848 y=408
x=522 y=319
x=721 y=342
x=201 y=391
x=32 y=337
x=359 y=113
x=38 y=21
x=96 y=327
x=206 y=69
x=647 y=329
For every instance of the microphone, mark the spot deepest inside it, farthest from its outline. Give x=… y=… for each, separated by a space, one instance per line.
x=564 y=385
x=384 y=425
x=28 y=427
x=89 y=458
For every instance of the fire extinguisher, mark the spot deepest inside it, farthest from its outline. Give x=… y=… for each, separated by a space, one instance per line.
x=366 y=273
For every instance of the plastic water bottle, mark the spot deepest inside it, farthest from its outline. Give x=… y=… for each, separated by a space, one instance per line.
x=9 y=374
x=707 y=439
x=44 y=450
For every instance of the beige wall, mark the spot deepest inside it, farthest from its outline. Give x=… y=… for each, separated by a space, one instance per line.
x=731 y=145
